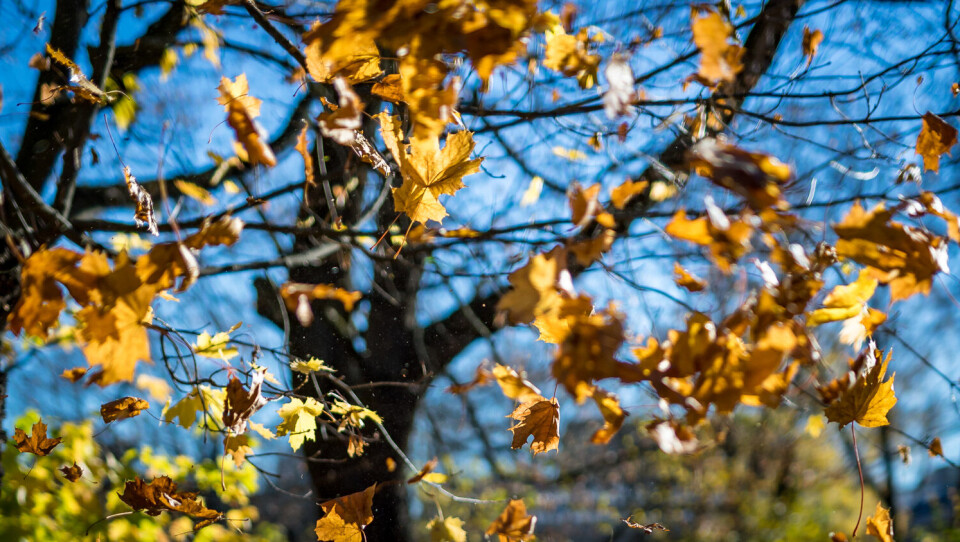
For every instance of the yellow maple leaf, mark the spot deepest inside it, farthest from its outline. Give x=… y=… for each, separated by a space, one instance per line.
x=935 y=139
x=309 y=366
x=299 y=420
x=37 y=442
x=216 y=346
x=202 y=399
x=571 y=56
x=353 y=415
x=719 y=59
x=880 y=524
x=513 y=385
x=868 y=400
x=539 y=418
x=844 y=301
x=345 y=517
x=613 y=416
x=354 y=56
x=684 y=279
x=195 y=192
x=534 y=289
x=428 y=171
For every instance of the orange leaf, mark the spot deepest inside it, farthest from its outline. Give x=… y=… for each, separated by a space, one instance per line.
x=622 y=194
x=304 y=151
x=161 y=495
x=540 y=419
x=613 y=416
x=534 y=289
x=37 y=443
x=121 y=409
x=298 y=296
x=811 y=42
x=719 y=59
x=935 y=139
x=515 y=386
x=935 y=448
x=684 y=279
x=427 y=469
x=389 y=88
x=513 y=524
x=143 y=201
x=240 y=404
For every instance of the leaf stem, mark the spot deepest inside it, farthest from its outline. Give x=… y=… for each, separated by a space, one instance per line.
x=856 y=453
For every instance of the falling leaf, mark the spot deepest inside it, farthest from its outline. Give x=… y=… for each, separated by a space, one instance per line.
x=242 y=109
x=585 y=206
x=74 y=374
x=240 y=403
x=815 y=425
x=353 y=415
x=880 y=525
x=298 y=296
x=299 y=420
x=72 y=473
x=449 y=529
x=121 y=409
x=685 y=280
x=143 y=201
x=811 y=42
x=613 y=416
x=310 y=366
x=237 y=447
x=904 y=452
x=904 y=258
x=37 y=443
x=160 y=495
x=868 y=400
x=935 y=449
x=532 y=193
x=844 y=301
x=727 y=240
x=41 y=300
x=428 y=171
x=592 y=249
x=539 y=418
x=621 y=195
x=756 y=176
x=571 y=56
x=158 y=388
x=354 y=56
x=195 y=192
x=719 y=59
x=304 y=151
x=672 y=437
x=345 y=517
x=513 y=524
x=588 y=353
x=534 y=288
x=935 y=139
x=573 y=155
x=427 y=469
x=82 y=87
x=648 y=528
x=343 y=124
x=621 y=92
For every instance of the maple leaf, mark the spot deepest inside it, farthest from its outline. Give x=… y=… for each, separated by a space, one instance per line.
x=240 y=404
x=299 y=420
x=215 y=346
x=123 y=408
x=534 y=291
x=755 y=176
x=195 y=192
x=687 y=281
x=514 y=386
x=143 y=201
x=613 y=416
x=353 y=415
x=935 y=139
x=304 y=151
x=354 y=56
x=72 y=473
x=585 y=206
x=570 y=55
x=719 y=59
x=591 y=250
x=726 y=239
x=880 y=524
x=345 y=517
x=904 y=258
x=37 y=443
x=160 y=495
x=242 y=109
x=844 y=301
x=297 y=297
x=432 y=103
x=426 y=474
x=449 y=529
x=811 y=42
x=41 y=300
x=648 y=528
x=935 y=449
x=539 y=418
x=74 y=374
x=310 y=366
x=554 y=325
x=200 y=399
x=868 y=400
x=428 y=172
x=513 y=524
x=80 y=85
x=481 y=377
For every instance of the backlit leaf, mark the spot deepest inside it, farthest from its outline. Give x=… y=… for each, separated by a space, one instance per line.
x=867 y=401
x=539 y=418
x=513 y=524
x=37 y=442
x=121 y=409
x=935 y=139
